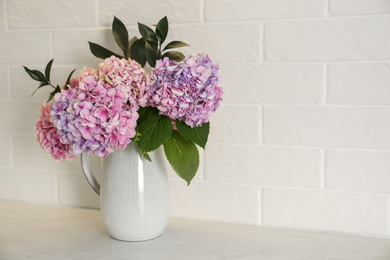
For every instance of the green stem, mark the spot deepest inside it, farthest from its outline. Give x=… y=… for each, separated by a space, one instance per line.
x=50 y=84
x=159 y=51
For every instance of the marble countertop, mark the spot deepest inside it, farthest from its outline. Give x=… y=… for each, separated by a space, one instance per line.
x=37 y=232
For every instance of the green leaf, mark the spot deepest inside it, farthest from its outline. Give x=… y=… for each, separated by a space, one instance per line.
x=147 y=157
x=48 y=69
x=137 y=51
x=159 y=36
x=32 y=74
x=154 y=129
x=162 y=29
x=69 y=77
x=175 y=44
x=143 y=153
x=35 y=74
x=150 y=55
x=197 y=134
x=174 y=55
x=147 y=33
x=120 y=33
x=159 y=55
x=40 y=75
x=182 y=155
x=132 y=40
x=153 y=45
x=101 y=52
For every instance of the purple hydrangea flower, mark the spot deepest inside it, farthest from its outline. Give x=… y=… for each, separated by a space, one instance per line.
x=186 y=91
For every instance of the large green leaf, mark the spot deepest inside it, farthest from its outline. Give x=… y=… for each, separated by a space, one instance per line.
x=101 y=52
x=154 y=129
x=120 y=33
x=197 y=134
x=175 y=44
x=182 y=155
x=137 y=51
x=162 y=29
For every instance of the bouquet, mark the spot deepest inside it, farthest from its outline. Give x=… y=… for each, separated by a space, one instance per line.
x=106 y=108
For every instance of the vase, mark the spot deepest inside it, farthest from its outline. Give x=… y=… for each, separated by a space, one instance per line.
x=134 y=193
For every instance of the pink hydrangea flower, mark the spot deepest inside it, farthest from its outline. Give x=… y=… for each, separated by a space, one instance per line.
x=46 y=134
x=126 y=75
x=186 y=91
x=97 y=113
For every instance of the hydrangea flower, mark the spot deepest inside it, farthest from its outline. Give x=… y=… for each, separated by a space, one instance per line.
x=186 y=91
x=98 y=112
x=127 y=75
x=46 y=134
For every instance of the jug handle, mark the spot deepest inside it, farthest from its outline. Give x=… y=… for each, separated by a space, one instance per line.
x=89 y=174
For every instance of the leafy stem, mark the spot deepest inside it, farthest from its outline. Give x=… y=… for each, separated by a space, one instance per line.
x=148 y=48
x=44 y=79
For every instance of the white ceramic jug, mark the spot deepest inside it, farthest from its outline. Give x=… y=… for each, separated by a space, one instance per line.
x=134 y=193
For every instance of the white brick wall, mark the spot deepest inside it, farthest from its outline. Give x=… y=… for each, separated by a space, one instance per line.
x=325 y=210
x=350 y=170
x=331 y=39
x=327 y=126
x=358 y=7
x=25 y=47
x=246 y=120
x=3 y=17
x=225 y=42
x=274 y=84
x=220 y=10
x=146 y=11
x=4 y=75
x=28 y=185
x=301 y=140
x=6 y=151
x=359 y=83
x=51 y=13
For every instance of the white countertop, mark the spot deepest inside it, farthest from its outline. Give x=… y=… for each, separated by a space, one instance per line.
x=47 y=232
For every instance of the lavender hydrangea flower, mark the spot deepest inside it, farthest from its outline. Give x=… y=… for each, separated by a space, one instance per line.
x=98 y=112
x=186 y=91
